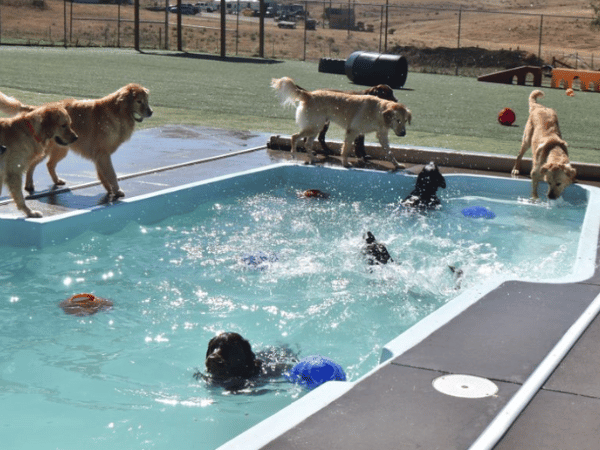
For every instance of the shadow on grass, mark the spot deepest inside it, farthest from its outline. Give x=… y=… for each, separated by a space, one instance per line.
x=208 y=57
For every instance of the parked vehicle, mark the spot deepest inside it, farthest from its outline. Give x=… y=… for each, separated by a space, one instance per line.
x=186 y=8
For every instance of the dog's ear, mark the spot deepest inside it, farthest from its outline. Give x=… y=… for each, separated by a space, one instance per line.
x=50 y=120
x=122 y=96
x=408 y=115
x=570 y=171
x=388 y=116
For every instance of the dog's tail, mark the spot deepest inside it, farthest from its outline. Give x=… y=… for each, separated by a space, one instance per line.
x=287 y=90
x=534 y=96
x=12 y=106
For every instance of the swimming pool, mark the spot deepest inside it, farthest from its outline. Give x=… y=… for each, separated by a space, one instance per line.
x=172 y=263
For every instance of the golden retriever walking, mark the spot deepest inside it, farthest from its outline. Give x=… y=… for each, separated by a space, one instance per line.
x=102 y=125
x=25 y=138
x=357 y=114
x=550 y=156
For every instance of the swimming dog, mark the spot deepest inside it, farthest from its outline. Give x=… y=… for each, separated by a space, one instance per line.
x=231 y=363
x=375 y=252
x=426 y=186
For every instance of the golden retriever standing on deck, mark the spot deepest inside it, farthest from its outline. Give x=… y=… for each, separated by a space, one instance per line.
x=357 y=114
x=25 y=137
x=550 y=156
x=102 y=125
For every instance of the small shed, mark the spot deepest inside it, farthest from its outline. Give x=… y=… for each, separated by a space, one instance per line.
x=340 y=18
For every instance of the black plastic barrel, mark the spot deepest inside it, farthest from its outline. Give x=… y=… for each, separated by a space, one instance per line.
x=328 y=65
x=370 y=69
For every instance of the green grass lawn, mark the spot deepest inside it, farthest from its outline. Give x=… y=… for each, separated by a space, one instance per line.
x=449 y=112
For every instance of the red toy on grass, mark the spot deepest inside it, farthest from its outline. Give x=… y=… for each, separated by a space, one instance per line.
x=506 y=117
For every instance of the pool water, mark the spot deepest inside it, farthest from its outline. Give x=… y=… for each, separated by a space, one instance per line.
x=123 y=378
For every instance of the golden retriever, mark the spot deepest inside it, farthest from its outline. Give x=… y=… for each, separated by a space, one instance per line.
x=25 y=138
x=102 y=125
x=382 y=91
x=357 y=114
x=550 y=156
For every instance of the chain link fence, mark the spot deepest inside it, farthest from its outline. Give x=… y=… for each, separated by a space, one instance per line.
x=309 y=31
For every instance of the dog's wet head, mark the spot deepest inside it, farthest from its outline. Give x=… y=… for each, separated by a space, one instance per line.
x=430 y=179
x=230 y=355
x=558 y=177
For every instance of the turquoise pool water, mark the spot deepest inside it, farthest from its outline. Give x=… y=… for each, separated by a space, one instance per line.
x=173 y=266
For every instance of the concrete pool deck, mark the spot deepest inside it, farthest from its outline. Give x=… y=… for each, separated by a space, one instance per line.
x=504 y=337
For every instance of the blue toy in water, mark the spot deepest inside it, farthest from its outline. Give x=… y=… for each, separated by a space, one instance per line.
x=478 y=212
x=259 y=260
x=313 y=371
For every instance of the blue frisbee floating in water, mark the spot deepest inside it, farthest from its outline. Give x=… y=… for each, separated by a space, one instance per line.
x=478 y=212
x=315 y=370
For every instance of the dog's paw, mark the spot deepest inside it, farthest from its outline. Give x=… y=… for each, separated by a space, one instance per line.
x=60 y=182
x=34 y=214
x=514 y=173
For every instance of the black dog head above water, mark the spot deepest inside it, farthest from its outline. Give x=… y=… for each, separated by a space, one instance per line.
x=230 y=356
x=231 y=363
x=375 y=252
x=428 y=182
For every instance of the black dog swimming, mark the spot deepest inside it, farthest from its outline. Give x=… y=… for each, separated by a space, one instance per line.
x=231 y=363
x=428 y=182
x=375 y=252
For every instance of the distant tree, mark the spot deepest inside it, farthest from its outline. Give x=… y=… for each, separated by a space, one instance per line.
x=595 y=5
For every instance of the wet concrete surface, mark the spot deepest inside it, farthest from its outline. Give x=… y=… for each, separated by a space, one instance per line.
x=147 y=150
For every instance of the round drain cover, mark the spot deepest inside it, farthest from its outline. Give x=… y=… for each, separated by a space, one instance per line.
x=465 y=386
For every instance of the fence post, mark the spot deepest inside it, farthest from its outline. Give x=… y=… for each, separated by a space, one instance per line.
x=459 y=25
x=119 y=24
x=223 y=29
x=179 y=28
x=65 y=22
x=305 y=28
x=237 y=27
x=387 y=11
x=166 y=24
x=380 y=27
x=540 y=43
x=136 y=25
x=261 y=29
